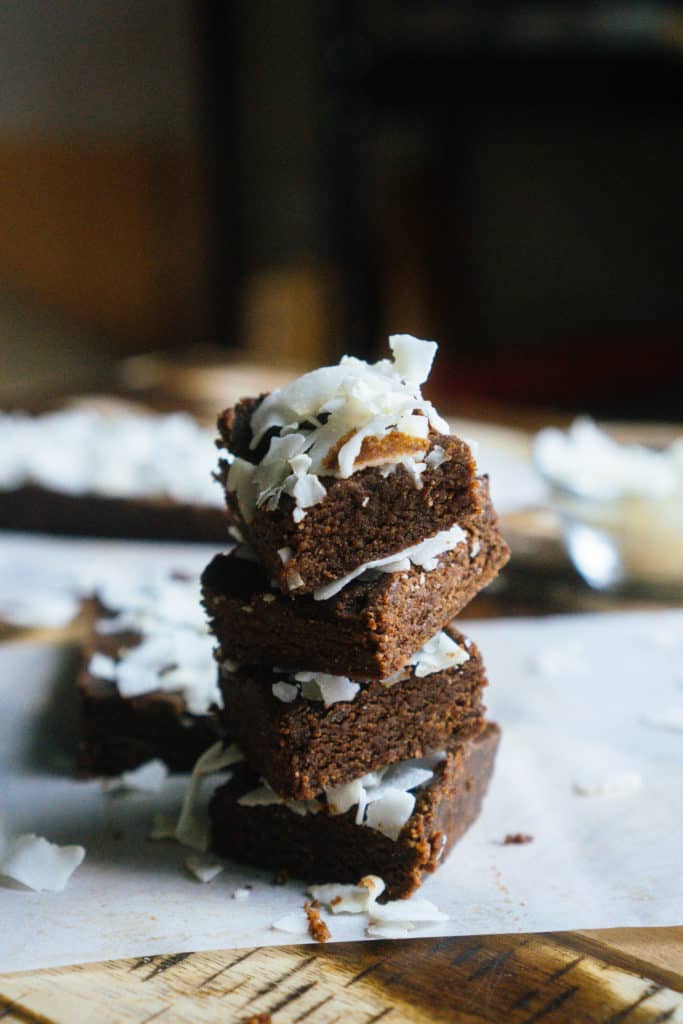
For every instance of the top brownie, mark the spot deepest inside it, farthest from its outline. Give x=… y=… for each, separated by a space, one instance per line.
x=346 y=466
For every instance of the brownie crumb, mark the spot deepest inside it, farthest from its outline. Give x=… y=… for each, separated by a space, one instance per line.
x=317 y=928
x=258 y=1018
x=517 y=839
x=280 y=877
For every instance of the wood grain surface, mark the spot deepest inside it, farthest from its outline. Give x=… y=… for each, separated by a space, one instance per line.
x=517 y=979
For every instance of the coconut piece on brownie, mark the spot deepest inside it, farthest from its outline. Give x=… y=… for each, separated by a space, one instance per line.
x=346 y=466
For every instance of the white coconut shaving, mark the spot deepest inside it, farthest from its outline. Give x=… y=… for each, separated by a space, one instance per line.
x=322 y=419
x=589 y=463
x=286 y=692
x=440 y=653
x=295 y=923
x=390 y=812
x=425 y=555
x=148 y=778
x=110 y=453
x=204 y=869
x=191 y=829
x=395 y=919
x=37 y=863
x=241 y=894
x=327 y=688
x=264 y=795
x=175 y=652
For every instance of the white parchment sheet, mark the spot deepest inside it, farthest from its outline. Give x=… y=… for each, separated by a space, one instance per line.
x=587 y=700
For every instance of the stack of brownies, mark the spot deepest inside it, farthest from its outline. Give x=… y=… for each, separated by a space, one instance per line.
x=363 y=530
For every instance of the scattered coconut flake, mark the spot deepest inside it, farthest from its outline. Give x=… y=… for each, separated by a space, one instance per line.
x=341 y=799
x=101 y=666
x=328 y=688
x=286 y=692
x=365 y=502
x=190 y=830
x=620 y=784
x=261 y=796
x=415 y=911
x=241 y=894
x=425 y=554
x=390 y=813
x=436 y=457
x=389 y=931
x=295 y=923
x=204 y=869
x=438 y=654
x=349 y=899
x=294 y=580
x=37 y=863
x=148 y=778
x=285 y=554
x=414 y=468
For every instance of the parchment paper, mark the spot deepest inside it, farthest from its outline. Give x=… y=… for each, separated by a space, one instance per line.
x=580 y=699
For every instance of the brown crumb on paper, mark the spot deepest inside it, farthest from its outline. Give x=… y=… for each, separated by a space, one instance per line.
x=317 y=928
x=258 y=1018
x=517 y=839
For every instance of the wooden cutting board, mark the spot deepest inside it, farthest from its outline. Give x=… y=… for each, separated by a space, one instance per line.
x=609 y=977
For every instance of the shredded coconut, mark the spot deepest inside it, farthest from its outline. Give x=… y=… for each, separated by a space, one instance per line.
x=37 y=863
x=175 y=653
x=203 y=868
x=190 y=829
x=437 y=655
x=114 y=454
x=323 y=420
x=148 y=778
x=425 y=554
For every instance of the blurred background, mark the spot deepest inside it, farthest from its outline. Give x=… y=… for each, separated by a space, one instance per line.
x=273 y=183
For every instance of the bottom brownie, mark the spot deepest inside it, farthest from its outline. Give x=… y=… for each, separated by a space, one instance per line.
x=310 y=842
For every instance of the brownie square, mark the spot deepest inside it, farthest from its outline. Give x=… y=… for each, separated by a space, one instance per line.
x=120 y=733
x=367 y=516
x=303 y=746
x=366 y=631
x=332 y=848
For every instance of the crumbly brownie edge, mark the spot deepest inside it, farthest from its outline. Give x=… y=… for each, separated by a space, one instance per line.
x=323 y=848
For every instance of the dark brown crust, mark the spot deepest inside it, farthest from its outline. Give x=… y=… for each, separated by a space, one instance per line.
x=121 y=733
x=369 y=629
x=345 y=530
x=303 y=747
x=323 y=848
x=37 y=508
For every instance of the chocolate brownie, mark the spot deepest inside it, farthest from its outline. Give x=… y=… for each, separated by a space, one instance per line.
x=366 y=631
x=88 y=515
x=134 y=706
x=369 y=515
x=323 y=847
x=301 y=746
x=120 y=734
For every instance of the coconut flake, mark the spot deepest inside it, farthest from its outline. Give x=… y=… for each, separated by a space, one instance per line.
x=425 y=554
x=294 y=580
x=190 y=830
x=148 y=778
x=390 y=813
x=436 y=457
x=204 y=869
x=437 y=655
x=475 y=548
x=349 y=899
x=328 y=688
x=413 y=358
x=295 y=923
x=37 y=863
x=101 y=666
x=341 y=799
x=389 y=931
x=262 y=796
x=414 y=911
x=286 y=692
